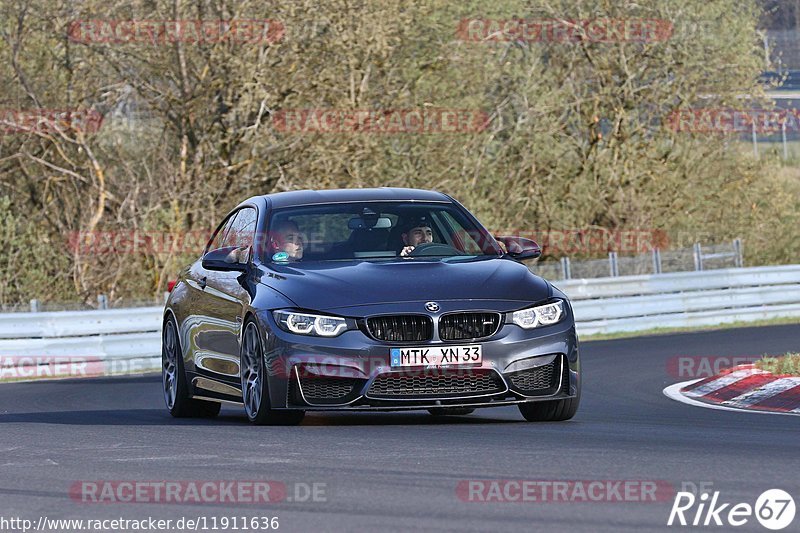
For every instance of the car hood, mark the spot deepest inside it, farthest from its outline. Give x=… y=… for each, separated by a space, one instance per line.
x=331 y=285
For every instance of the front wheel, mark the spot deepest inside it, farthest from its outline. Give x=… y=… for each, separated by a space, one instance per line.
x=173 y=379
x=551 y=410
x=255 y=393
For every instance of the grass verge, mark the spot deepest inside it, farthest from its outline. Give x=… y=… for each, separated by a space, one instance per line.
x=666 y=331
x=788 y=364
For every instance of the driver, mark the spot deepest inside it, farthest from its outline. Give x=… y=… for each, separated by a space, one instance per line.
x=417 y=231
x=287 y=238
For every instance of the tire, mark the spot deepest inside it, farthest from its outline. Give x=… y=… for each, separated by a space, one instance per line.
x=173 y=379
x=551 y=410
x=450 y=411
x=255 y=392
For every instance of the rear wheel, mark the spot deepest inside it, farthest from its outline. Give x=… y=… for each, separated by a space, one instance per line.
x=450 y=411
x=173 y=379
x=255 y=393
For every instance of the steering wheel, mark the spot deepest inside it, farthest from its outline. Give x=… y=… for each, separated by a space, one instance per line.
x=432 y=249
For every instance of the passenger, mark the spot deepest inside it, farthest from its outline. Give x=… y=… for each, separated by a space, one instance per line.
x=287 y=238
x=417 y=231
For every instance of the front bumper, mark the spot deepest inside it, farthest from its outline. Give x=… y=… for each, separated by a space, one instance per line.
x=350 y=372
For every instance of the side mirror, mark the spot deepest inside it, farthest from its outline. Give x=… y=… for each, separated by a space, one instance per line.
x=230 y=258
x=520 y=247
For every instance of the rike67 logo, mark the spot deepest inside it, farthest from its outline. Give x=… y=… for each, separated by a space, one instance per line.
x=774 y=509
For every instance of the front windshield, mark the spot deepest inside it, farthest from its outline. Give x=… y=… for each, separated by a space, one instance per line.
x=374 y=231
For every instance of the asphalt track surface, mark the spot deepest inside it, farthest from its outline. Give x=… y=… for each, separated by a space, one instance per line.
x=392 y=472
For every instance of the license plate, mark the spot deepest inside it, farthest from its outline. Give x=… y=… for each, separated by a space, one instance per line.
x=436 y=356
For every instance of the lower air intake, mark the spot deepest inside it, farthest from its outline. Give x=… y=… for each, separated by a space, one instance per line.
x=455 y=384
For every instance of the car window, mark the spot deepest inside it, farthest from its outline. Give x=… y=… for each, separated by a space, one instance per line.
x=330 y=228
x=218 y=241
x=460 y=236
x=242 y=230
x=375 y=230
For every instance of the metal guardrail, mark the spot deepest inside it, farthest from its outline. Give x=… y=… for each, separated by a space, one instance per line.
x=648 y=284
x=79 y=323
x=656 y=261
x=601 y=305
x=684 y=299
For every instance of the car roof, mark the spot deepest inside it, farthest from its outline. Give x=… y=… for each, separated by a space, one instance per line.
x=326 y=196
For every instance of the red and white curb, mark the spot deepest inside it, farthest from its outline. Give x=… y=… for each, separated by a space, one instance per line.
x=742 y=388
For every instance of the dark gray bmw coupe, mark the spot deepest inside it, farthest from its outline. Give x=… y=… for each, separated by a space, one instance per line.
x=365 y=299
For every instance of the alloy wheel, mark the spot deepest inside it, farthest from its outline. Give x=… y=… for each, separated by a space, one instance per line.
x=251 y=371
x=169 y=364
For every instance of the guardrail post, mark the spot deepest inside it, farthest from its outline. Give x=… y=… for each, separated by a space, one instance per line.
x=783 y=139
x=656 y=261
x=698 y=256
x=102 y=301
x=737 y=250
x=612 y=261
x=34 y=306
x=755 y=141
x=566 y=269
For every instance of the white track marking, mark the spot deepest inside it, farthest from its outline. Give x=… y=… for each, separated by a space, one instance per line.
x=165 y=458
x=768 y=390
x=674 y=392
x=722 y=382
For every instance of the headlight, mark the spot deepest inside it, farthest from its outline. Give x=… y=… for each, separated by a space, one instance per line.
x=308 y=324
x=542 y=315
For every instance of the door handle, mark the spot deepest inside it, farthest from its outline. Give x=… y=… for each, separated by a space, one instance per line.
x=202 y=282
